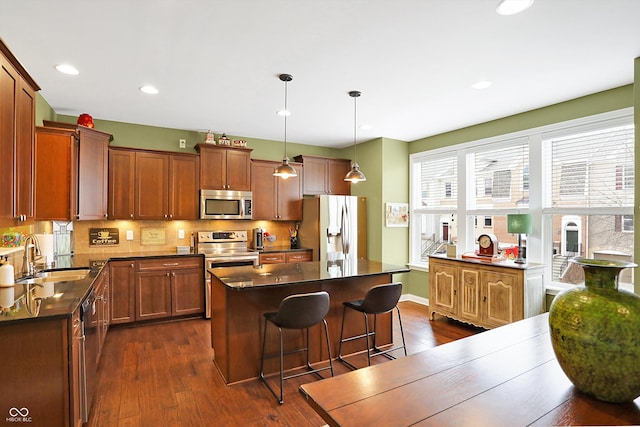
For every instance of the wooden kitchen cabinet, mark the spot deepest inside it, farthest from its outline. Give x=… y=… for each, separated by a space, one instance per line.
x=17 y=136
x=324 y=175
x=122 y=168
x=153 y=185
x=285 y=257
x=485 y=294
x=93 y=174
x=299 y=256
x=187 y=291
x=153 y=294
x=89 y=178
x=151 y=190
x=122 y=291
x=75 y=374
x=184 y=185
x=101 y=286
x=275 y=198
x=224 y=168
x=56 y=174
x=167 y=287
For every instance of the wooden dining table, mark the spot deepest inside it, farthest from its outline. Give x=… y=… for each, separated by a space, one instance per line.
x=508 y=376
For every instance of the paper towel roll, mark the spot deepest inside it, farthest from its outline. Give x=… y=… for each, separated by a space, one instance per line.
x=46 y=247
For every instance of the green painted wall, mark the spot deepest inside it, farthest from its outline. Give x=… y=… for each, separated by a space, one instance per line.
x=43 y=110
x=600 y=102
x=167 y=139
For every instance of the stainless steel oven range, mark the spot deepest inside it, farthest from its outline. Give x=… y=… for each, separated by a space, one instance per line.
x=222 y=248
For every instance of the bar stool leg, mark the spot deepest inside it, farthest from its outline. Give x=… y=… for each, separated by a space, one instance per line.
x=326 y=335
x=404 y=344
x=366 y=328
x=281 y=400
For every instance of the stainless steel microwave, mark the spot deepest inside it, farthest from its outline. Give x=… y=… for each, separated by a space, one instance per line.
x=225 y=204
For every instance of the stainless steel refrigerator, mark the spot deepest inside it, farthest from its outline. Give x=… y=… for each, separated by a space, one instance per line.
x=335 y=227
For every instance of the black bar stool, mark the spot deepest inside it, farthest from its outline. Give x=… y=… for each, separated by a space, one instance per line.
x=379 y=300
x=300 y=311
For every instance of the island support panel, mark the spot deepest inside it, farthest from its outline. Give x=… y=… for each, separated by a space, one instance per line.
x=237 y=324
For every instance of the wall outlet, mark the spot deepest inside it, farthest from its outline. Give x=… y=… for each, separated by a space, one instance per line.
x=129 y=234
x=183 y=143
x=180 y=234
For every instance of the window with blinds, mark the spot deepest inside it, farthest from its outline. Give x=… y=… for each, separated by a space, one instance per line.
x=439 y=183
x=501 y=175
x=592 y=169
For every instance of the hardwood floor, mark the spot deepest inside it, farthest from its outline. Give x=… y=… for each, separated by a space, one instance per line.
x=164 y=375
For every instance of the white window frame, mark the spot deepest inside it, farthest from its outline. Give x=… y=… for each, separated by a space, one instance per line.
x=537 y=252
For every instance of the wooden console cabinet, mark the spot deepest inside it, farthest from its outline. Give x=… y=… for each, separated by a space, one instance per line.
x=485 y=294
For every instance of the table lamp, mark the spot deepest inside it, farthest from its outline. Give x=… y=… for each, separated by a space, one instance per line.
x=519 y=224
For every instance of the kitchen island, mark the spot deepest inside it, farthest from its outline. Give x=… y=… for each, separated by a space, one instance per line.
x=241 y=295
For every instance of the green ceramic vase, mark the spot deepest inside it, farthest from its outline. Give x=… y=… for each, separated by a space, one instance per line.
x=595 y=333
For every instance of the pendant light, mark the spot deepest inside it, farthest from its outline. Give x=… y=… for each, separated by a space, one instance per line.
x=285 y=170
x=355 y=175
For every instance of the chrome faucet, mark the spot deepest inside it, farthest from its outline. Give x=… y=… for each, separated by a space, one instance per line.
x=28 y=260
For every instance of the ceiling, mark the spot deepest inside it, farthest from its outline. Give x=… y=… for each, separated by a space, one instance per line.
x=216 y=62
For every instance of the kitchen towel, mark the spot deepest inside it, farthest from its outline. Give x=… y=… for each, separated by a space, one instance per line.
x=46 y=247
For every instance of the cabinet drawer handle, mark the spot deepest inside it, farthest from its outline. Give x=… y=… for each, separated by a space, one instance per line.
x=170 y=264
x=273 y=258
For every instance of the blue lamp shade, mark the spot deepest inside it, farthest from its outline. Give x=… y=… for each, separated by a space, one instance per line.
x=519 y=223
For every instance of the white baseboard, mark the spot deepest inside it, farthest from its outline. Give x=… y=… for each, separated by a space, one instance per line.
x=414 y=298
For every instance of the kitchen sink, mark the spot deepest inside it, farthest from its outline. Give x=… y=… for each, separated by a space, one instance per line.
x=52 y=276
x=61 y=275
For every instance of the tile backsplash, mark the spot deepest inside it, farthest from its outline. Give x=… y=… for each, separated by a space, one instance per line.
x=171 y=233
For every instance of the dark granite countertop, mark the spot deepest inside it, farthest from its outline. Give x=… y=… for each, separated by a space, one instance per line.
x=29 y=305
x=247 y=277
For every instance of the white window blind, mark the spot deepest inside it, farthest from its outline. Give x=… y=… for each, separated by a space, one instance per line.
x=439 y=183
x=592 y=169
x=501 y=174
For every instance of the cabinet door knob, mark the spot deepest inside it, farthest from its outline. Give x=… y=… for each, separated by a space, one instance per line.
x=131 y=265
x=131 y=216
x=106 y=215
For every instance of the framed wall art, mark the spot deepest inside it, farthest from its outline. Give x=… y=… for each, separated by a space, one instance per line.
x=397 y=214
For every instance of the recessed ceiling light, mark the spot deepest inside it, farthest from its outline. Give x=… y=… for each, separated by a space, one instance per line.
x=151 y=90
x=511 y=7
x=482 y=84
x=365 y=127
x=284 y=113
x=67 y=69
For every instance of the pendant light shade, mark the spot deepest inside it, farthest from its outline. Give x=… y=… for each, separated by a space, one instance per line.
x=285 y=170
x=355 y=175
